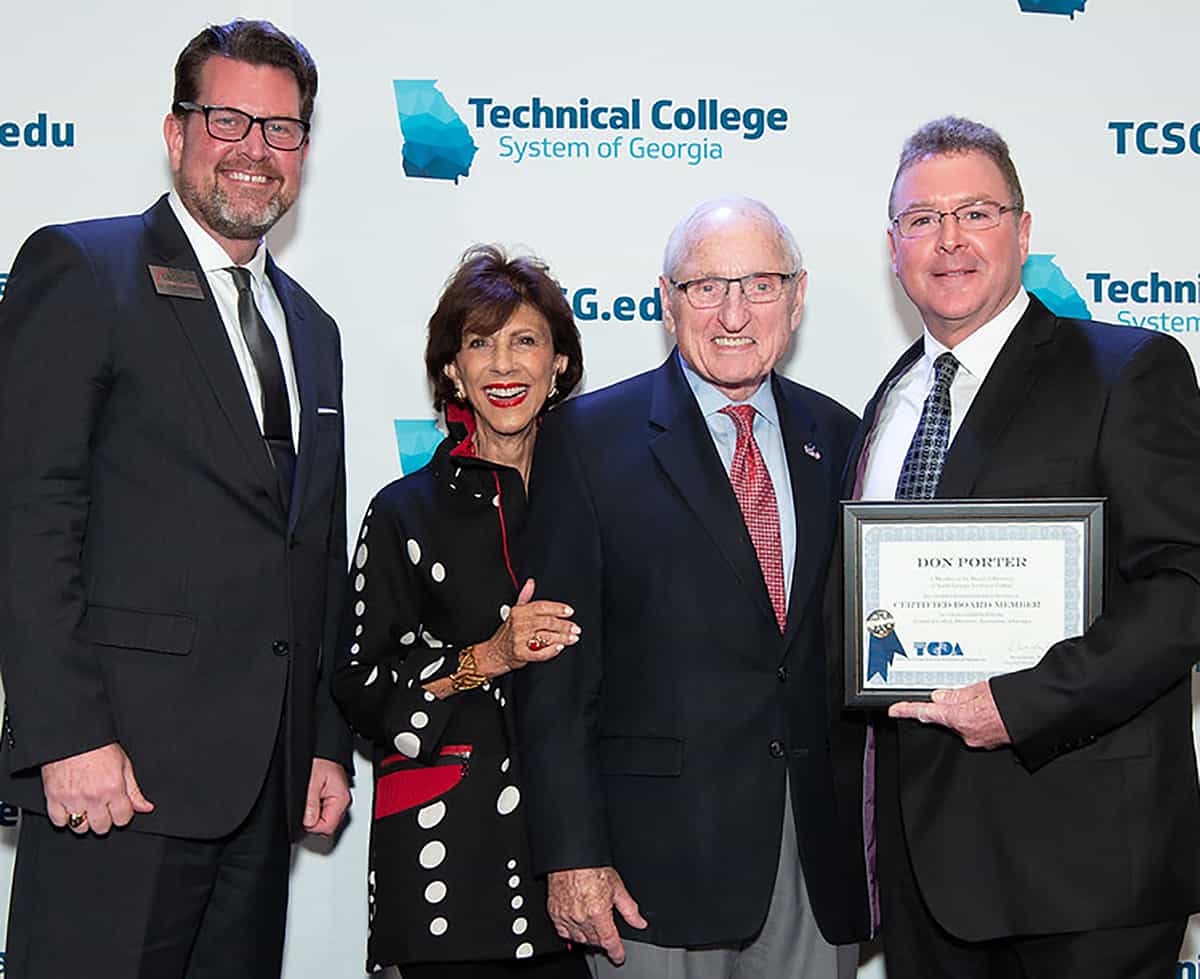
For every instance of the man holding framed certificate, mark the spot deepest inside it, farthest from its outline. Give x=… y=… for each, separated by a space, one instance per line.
x=1044 y=822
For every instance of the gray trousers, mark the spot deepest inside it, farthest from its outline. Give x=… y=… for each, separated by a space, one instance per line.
x=788 y=946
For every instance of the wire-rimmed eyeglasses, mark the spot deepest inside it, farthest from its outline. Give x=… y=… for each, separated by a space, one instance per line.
x=711 y=290
x=921 y=222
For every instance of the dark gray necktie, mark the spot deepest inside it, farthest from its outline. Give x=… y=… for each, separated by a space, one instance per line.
x=927 y=452
x=277 y=415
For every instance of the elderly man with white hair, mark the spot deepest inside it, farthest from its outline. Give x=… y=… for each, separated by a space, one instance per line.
x=694 y=794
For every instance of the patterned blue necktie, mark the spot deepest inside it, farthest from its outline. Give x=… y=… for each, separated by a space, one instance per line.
x=927 y=451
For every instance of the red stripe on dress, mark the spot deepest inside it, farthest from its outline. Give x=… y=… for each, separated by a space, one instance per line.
x=412 y=787
x=504 y=532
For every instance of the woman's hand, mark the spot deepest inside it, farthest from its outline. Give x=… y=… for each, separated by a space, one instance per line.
x=533 y=632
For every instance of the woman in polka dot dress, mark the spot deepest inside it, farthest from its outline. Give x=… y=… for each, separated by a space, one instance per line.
x=436 y=619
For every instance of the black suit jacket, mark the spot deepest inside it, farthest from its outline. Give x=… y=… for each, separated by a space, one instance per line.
x=1092 y=818
x=155 y=592
x=661 y=742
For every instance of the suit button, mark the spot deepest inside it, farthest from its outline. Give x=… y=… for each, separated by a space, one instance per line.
x=776 y=748
x=279 y=647
x=782 y=674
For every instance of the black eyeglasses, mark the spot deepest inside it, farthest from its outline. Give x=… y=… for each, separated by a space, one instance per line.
x=231 y=125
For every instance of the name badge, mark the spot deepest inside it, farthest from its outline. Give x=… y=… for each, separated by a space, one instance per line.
x=181 y=283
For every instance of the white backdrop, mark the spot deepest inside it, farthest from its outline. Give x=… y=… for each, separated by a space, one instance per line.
x=852 y=79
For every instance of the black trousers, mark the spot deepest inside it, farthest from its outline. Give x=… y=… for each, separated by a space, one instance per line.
x=133 y=905
x=565 y=965
x=915 y=946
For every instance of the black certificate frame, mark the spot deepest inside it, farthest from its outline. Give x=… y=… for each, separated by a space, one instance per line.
x=857 y=515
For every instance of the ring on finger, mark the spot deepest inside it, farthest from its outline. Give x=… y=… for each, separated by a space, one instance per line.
x=76 y=819
x=534 y=643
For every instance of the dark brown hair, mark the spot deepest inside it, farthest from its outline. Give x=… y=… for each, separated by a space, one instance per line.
x=256 y=42
x=481 y=295
x=954 y=134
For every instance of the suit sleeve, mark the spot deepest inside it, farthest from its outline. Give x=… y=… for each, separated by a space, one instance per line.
x=56 y=373
x=333 y=740
x=387 y=655
x=1148 y=637
x=557 y=701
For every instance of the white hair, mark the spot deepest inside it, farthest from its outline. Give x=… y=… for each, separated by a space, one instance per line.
x=688 y=231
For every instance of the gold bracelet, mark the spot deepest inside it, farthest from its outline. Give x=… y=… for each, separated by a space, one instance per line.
x=467 y=676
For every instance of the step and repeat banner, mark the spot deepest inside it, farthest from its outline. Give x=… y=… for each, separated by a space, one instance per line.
x=583 y=134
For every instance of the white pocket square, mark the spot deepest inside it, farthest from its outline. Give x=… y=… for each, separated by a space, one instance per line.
x=327 y=411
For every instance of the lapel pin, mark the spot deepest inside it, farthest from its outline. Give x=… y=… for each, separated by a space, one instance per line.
x=181 y=283
x=812 y=451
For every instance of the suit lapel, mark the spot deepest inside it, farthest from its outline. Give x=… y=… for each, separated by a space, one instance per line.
x=682 y=444
x=304 y=360
x=810 y=481
x=855 y=461
x=205 y=333
x=1021 y=362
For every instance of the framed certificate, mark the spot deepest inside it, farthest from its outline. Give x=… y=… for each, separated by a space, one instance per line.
x=943 y=593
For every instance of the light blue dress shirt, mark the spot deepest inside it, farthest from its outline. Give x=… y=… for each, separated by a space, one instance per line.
x=769 y=437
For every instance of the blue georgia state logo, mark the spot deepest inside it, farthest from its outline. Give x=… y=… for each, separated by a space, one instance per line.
x=1067 y=8
x=437 y=143
x=1042 y=277
x=416 y=441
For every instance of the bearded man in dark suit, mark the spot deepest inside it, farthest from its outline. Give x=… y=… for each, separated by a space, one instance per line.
x=172 y=549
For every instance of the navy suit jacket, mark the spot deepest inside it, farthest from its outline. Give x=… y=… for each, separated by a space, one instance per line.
x=661 y=743
x=1091 y=819
x=154 y=590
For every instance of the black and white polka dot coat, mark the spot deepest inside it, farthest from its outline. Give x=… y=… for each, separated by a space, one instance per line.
x=449 y=864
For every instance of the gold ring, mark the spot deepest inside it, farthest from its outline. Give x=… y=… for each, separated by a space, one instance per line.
x=76 y=819
x=535 y=644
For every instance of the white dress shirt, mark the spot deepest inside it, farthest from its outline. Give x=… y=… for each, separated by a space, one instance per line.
x=769 y=438
x=215 y=264
x=899 y=413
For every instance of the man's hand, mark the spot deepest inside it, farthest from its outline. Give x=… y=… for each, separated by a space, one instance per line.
x=99 y=784
x=328 y=797
x=971 y=712
x=580 y=903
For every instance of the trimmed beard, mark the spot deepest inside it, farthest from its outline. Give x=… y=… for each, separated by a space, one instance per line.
x=220 y=214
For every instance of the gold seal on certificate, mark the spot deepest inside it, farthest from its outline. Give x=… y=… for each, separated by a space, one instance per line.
x=944 y=593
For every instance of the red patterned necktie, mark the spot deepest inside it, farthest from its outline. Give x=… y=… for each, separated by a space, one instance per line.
x=756 y=497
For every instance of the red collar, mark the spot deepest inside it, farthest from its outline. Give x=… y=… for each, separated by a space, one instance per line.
x=459 y=414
